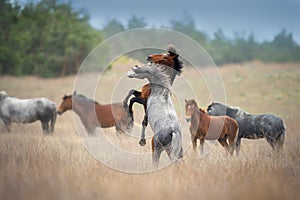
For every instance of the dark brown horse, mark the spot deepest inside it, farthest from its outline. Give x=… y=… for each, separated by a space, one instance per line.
x=174 y=67
x=206 y=127
x=93 y=114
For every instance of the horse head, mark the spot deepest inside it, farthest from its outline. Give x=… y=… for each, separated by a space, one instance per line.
x=217 y=109
x=3 y=94
x=65 y=105
x=190 y=106
x=170 y=59
x=155 y=73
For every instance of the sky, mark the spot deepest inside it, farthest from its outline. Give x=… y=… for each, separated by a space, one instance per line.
x=263 y=18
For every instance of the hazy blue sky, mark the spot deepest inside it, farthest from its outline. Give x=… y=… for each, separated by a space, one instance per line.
x=264 y=18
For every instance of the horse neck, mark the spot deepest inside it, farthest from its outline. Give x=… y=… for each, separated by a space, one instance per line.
x=173 y=76
x=195 y=118
x=232 y=112
x=157 y=88
x=81 y=107
x=201 y=115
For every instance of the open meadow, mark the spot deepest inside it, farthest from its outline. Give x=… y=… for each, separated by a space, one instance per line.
x=35 y=166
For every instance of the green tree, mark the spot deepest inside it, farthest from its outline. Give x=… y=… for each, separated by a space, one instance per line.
x=112 y=27
x=135 y=22
x=45 y=38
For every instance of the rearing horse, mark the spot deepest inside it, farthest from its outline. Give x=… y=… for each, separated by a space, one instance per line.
x=175 y=65
x=161 y=111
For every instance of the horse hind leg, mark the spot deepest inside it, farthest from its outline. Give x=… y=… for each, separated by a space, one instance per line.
x=279 y=141
x=155 y=157
x=276 y=143
x=176 y=151
x=45 y=127
x=224 y=143
x=52 y=122
x=232 y=143
x=238 y=145
x=119 y=130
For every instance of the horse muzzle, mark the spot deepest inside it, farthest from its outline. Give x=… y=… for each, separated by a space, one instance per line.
x=59 y=112
x=188 y=119
x=130 y=74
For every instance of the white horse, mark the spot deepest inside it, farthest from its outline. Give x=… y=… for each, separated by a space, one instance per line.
x=26 y=111
x=162 y=116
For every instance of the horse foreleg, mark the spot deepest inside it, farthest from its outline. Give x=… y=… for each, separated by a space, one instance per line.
x=131 y=92
x=238 y=145
x=132 y=101
x=194 y=142
x=142 y=141
x=202 y=141
x=7 y=124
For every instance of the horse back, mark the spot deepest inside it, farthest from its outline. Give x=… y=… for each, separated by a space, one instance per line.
x=257 y=126
x=108 y=114
x=221 y=125
x=27 y=110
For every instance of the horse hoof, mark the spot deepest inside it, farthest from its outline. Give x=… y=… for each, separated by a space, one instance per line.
x=142 y=142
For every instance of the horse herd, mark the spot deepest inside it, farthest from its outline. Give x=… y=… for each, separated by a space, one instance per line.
x=221 y=122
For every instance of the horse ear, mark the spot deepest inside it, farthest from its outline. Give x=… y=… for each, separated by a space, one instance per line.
x=171 y=49
x=74 y=93
x=185 y=100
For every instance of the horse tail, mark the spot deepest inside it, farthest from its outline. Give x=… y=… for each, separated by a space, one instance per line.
x=53 y=120
x=281 y=136
x=176 y=144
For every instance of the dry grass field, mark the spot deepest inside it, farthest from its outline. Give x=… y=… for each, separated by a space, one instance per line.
x=34 y=166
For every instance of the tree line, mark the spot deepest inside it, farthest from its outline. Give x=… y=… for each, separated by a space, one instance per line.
x=51 y=39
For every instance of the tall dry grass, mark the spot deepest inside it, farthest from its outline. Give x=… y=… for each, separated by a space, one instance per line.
x=34 y=166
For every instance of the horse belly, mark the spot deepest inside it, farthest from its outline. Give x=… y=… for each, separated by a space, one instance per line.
x=250 y=131
x=215 y=129
x=213 y=134
x=24 y=118
x=18 y=113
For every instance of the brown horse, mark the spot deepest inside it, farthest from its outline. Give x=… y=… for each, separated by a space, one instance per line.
x=93 y=114
x=206 y=127
x=175 y=65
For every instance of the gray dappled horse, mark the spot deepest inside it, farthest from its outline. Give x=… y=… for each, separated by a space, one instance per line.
x=251 y=126
x=26 y=111
x=161 y=113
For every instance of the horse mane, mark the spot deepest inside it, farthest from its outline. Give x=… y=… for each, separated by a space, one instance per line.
x=223 y=104
x=85 y=98
x=201 y=110
x=160 y=71
x=178 y=62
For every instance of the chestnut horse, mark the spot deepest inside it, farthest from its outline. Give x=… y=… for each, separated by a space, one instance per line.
x=175 y=65
x=206 y=127
x=93 y=114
